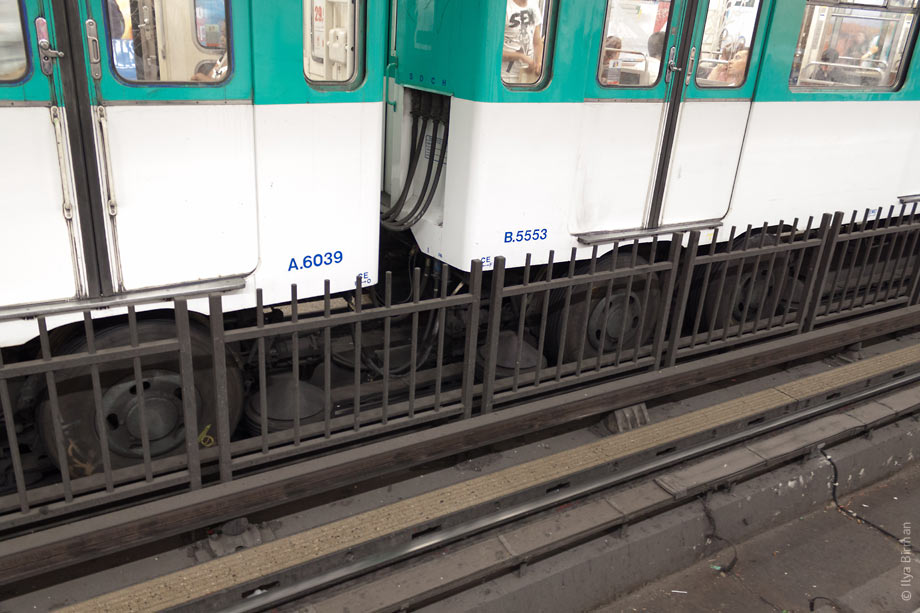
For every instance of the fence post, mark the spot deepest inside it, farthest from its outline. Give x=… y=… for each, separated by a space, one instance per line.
x=219 y=361
x=187 y=372
x=828 y=231
x=472 y=336
x=683 y=292
x=492 y=333
x=677 y=242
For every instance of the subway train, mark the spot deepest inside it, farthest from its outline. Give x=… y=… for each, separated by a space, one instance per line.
x=154 y=149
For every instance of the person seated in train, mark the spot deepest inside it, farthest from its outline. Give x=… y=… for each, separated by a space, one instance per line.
x=656 y=44
x=826 y=70
x=610 y=70
x=522 y=52
x=731 y=73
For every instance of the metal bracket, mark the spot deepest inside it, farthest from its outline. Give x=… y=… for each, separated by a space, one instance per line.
x=690 y=66
x=92 y=45
x=47 y=55
x=111 y=203
x=67 y=205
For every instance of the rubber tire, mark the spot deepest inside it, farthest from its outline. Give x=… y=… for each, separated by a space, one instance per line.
x=721 y=303
x=576 y=319
x=75 y=393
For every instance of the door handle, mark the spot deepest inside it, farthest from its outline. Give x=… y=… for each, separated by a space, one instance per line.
x=92 y=41
x=672 y=65
x=47 y=55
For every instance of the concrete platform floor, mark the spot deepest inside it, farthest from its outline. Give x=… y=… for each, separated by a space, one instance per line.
x=822 y=554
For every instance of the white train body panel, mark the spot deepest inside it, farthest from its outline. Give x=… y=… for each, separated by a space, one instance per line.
x=808 y=158
x=185 y=186
x=36 y=246
x=273 y=192
x=319 y=171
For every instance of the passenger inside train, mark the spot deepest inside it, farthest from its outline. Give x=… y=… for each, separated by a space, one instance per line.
x=523 y=48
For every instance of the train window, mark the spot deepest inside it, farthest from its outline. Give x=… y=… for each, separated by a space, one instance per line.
x=185 y=41
x=635 y=34
x=524 y=50
x=854 y=46
x=210 y=24
x=13 y=60
x=331 y=42
x=725 y=53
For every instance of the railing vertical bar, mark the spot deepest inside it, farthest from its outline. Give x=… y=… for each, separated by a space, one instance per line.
x=771 y=265
x=750 y=292
x=895 y=240
x=569 y=288
x=844 y=246
x=472 y=337
x=522 y=315
x=683 y=293
x=493 y=333
x=544 y=314
x=9 y=418
x=263 y=379
x=442 y=322
x=664 y=309
x=139 y=393
x=219 y=357
x=868 y=241
x=795 y=275
x=726 y=324
x=817 y=275
x=295 y=363
x=57 y=425
x=903 y=238
x=634 y=258
x=357 y=370
x=413 y=349
x=387 y=325
x=905 y=272
x=607 y=296
x=189 y=409
x=705 y=287
x=784 y=268
x=640 y=330
x=722 y=277
x=99 y=411
x=589 y=290
x=327 y=361
x=847 y=280
x=878 y=258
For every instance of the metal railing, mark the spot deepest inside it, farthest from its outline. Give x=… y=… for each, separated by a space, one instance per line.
x=172 y=403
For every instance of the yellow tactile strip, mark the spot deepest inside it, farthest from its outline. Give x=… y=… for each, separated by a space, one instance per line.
x=249 y=565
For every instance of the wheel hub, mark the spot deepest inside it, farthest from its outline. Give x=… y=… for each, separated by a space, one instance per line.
x=163 y=414
x=616 y=309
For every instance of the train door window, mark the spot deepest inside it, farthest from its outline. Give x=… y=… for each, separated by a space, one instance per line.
x=331 y=37
x=14 y=62
x=725 y=52
x=183 y=41
x=635 y=34
x=524 y=50
x=854 y=46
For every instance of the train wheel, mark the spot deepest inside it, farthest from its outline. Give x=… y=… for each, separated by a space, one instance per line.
x=755 y=287
x=162 y=390
x=613 y=323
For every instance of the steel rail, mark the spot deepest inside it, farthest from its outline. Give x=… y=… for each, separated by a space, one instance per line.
x=568 y=495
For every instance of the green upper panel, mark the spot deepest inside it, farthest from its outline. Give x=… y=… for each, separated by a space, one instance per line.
x=456 y=48
x=278 y=47
x=237 y=85
x=33 y=86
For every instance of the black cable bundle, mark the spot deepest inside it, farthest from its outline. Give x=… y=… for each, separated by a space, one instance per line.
x=426 y=107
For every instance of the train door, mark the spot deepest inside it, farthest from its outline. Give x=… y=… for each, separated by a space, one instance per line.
x=170 y=99
x=713 y=85
x=42 y=247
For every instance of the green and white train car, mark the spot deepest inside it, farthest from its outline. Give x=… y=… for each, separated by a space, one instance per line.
x=159 y=147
